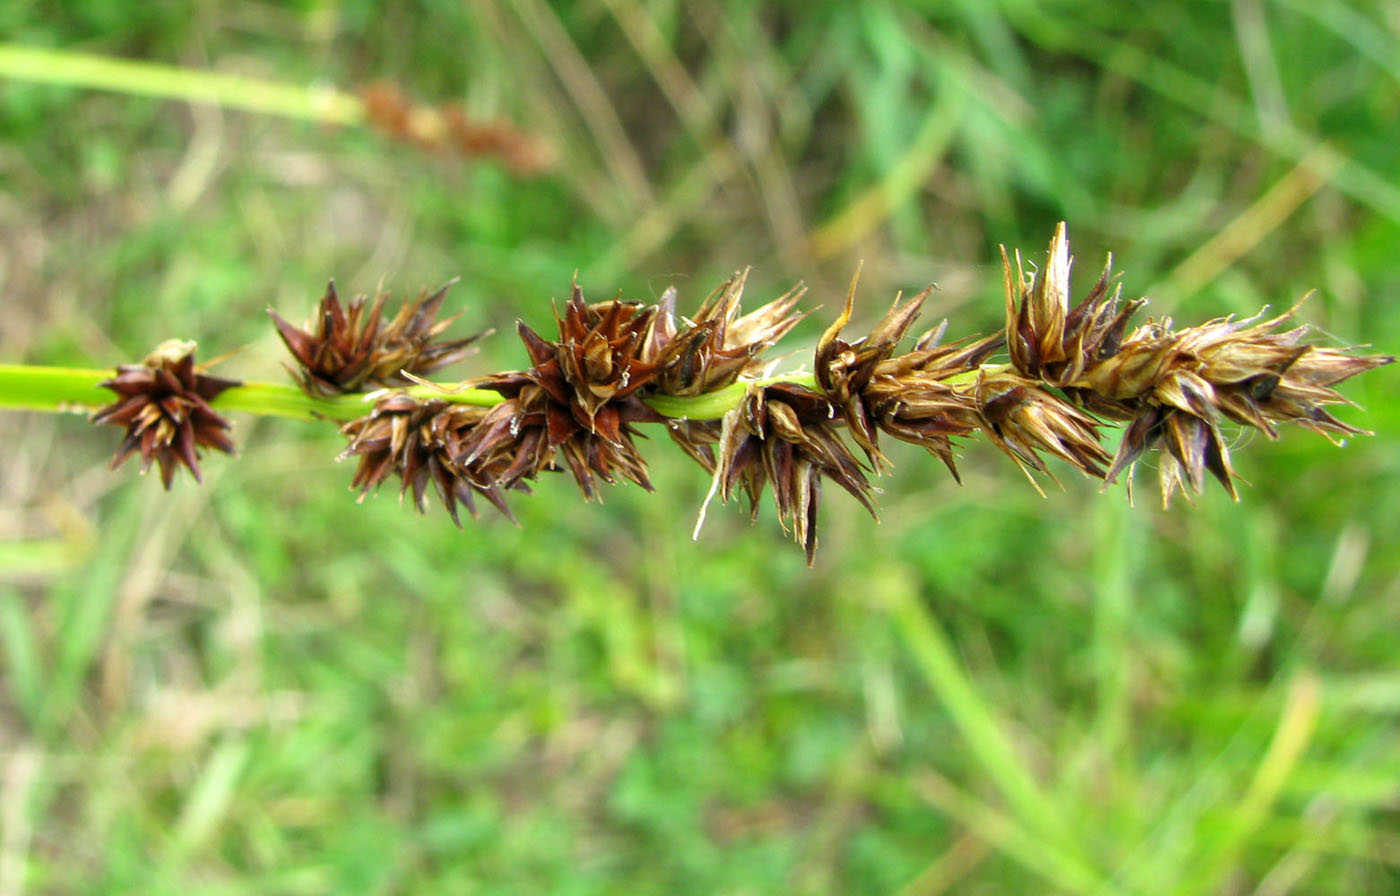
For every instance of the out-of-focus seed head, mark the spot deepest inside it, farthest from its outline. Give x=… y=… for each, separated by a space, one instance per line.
x=353 y=349
x=448 y=129
x=163 y=403
x=420 y=441
x=785 y=435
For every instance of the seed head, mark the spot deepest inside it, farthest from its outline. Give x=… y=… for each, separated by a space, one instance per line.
x=579 y=400
x=164 y=404
x=353 y=349
x=720 y=343
x=420 y=442
x=785 y=435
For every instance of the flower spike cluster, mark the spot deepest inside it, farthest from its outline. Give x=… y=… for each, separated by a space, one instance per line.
x=353 y=348
x=164 y=404
x=1173 y=388
x=785 y=435
x=1048 y=385
x=422 y=442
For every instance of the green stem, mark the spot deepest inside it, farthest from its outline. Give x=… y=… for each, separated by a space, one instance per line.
x=60 y=389
x=277 y=400
x=713 y=405
x=26 y=387
x=72 y=389
x=167 y=82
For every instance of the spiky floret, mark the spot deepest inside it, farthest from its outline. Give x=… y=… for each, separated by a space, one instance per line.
x=578 y=401
x=1023 y=419
x=719 y=344
x=420 y=441
x=1048 y=340
x=1177 y=388
x=164 y=404
x=922 y=397
x=353 y=349
x=785 y=436
x=906 y=396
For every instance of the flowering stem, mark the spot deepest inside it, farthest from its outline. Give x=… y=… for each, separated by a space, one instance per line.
x=320 y=104
x=77 y=390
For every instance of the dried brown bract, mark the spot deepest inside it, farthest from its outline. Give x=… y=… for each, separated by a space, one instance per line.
x=786 y=436
x=164 y=404
x=420 y=442
x=354 y=349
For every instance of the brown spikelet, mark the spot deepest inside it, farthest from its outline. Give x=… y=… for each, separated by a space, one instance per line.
x=579 y=401
x=420 y=442
x=844 y=369
x=1047 y=339
x=719 y=343
x=913 y=400
x=906 y=395
x=352 y=348
x=1023 y=420
x=1175 y=388
x=784 y=436
x=1178 y=387
x=163 y=403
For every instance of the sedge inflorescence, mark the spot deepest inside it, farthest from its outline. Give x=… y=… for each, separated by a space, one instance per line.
x=163 y=404
x=1071 y=372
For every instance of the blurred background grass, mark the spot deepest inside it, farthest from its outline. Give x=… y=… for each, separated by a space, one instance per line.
x=258 y=687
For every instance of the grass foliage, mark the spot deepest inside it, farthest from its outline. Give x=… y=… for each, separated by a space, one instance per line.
x=258 y=687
